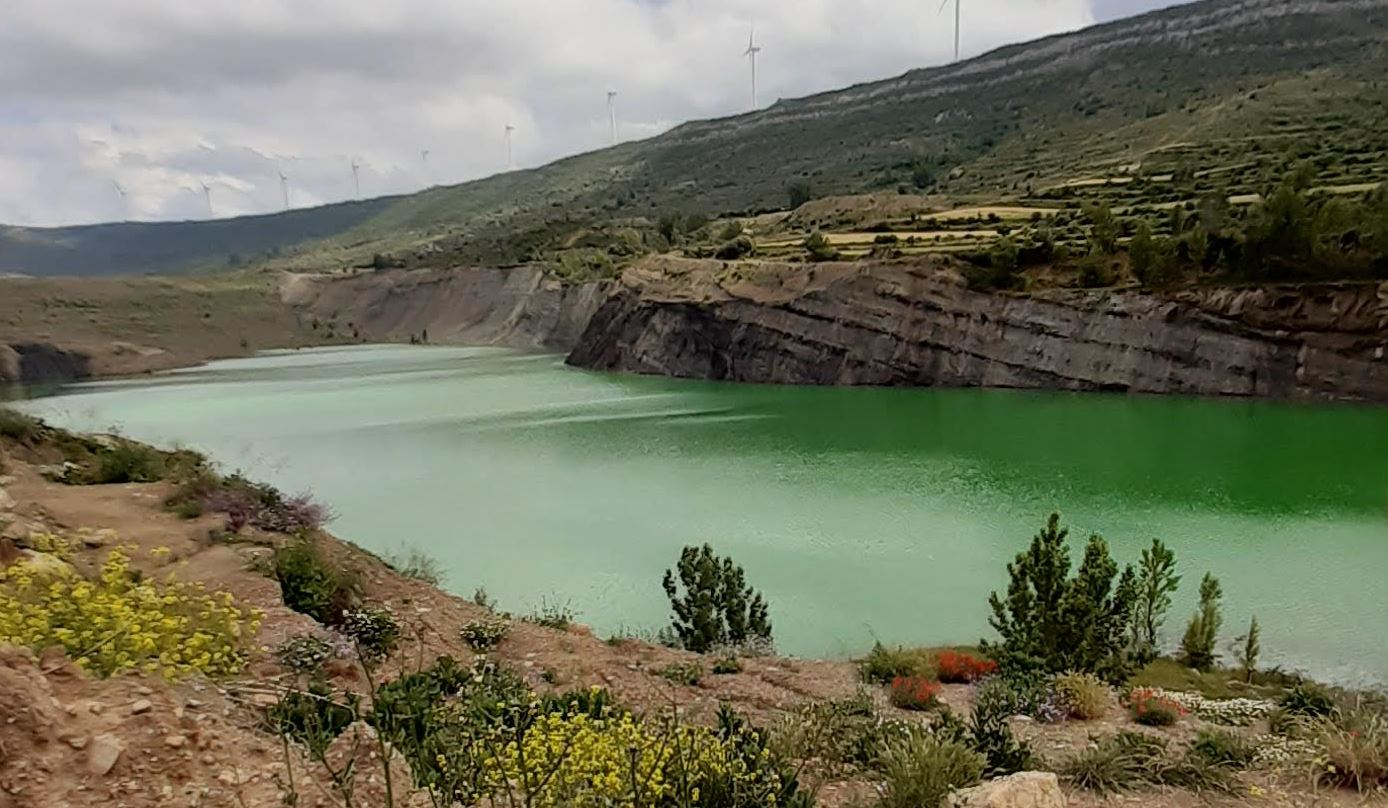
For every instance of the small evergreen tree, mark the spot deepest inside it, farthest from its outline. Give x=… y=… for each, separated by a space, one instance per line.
x=1104 y=228
x=1050 y=622
x=1247 y=648
x=819 y=247
x=713 y=603
x=1157 y=581
x=1198 y=644
x=798 y=193
x=1142 y=252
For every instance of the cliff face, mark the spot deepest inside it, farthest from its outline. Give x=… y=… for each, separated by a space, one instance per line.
x=894 y=324
x=521 y=307
x=41 y=363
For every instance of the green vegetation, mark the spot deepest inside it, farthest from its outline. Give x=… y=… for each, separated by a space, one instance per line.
x=418 y=565
x=311 y=584
x=682 y=673
x=713 y=604
x=19 y=427
x=1157 y=581
x=1084 y=695
x=1247 y=648
x=883 y=664
x=1130 y=760
x=1198 y=644
x=922 y=769
x=483 y=636
x=1052 y=622
x=555 y=614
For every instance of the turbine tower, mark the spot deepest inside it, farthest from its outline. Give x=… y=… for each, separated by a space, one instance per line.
x=751 y=54
x=124 y=202
x=356 y=177
x=510 y=161
x=207 y=193
x=424 y=166
x=284 y=187
x=956 y=25
x=612 y=114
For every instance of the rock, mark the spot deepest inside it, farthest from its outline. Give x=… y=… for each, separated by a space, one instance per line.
x=44 y=563
x=75 y=740
x=6 y=501
x=1020 y=790
x=103 y=752
x=175 y=741
x=99 y=538
x=141 y=706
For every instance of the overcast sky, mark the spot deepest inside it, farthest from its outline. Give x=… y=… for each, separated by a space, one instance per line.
x=163 y=96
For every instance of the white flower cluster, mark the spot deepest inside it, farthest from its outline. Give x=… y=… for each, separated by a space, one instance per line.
x=1230 y=712
x=1279 y=750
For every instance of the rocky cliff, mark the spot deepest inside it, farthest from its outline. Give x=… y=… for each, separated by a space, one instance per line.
x=520 y=307
x=919 y=325
x=41 y=363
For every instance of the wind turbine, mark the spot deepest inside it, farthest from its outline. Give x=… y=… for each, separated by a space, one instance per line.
x=356 y=177
x=284 y=187
x=424 y=162
x=956 y=25
x=207 y=192
x=510 y=162
x=124 y=206
x=612 y=114
x=751 y=54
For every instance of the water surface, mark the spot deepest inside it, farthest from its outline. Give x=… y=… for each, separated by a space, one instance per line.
x=859 y=512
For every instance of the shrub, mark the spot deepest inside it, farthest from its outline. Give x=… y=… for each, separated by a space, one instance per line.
x=682 y=673
x=1154 y=709
x=258 y=505
x=798 y=193
x=1220 y=747
x=712 y=602
x=1157 y=581
x=1247 y=648
x=305 y=654
x=736 y=248
x=310 y=584
x=417 y=565
x=1083 y=695
x=727 y=665
x=1052 y=622
x=920 y=770
x=483 y=636
x=914 y=693
x=1198 y=644
x=313 y=717
x=1354 y=749
x=19 y=427
x=991 y=734
x=1307 y=700
x=552 y=614
x=1117 y=763
x=731 y=230
x=883 y=664
x=819 y=247
x=374 y=629
x=119 y=622
x=126 y=463
x=961 y=668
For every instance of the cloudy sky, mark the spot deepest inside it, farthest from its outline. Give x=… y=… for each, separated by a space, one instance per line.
x=113 y=109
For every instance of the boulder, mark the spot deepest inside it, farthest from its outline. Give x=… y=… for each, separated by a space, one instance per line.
x=1021 y=790
x=6 y=501
x=44 y=563
x=102 y=753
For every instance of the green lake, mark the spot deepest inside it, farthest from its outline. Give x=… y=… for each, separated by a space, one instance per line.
x=860 y=513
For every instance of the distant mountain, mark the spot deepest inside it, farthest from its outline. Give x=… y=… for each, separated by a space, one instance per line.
x=1230 y=88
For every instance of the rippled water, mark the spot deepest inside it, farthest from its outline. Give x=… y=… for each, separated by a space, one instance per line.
x=859 y=512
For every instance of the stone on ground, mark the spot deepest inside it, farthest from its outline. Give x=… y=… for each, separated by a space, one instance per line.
x=1021 y=790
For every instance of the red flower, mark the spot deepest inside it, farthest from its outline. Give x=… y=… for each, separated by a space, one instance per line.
x=914 y=693
x=959 y=668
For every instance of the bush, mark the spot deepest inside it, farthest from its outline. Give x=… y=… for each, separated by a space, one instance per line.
x=682 y=673
x=19 y=427
x=883 y=664
x=1083 y=695
x=914 y=693
x=819 y=247
x=310 y=584
x=313 y=717
x=126 y=463
x=1154 y=709
x=1157 y=581
x=1220 y=747
x=726 y=666
x=956 y=667
x=1202 y=632
x=731 y=230
x=121 y=622
x=1354 y=748
x=483 y=636
x=552 y=614
x=1049 y=621
x=713 y=604
x=798 y=193
x=305 y=654
x=1117 y=763
x=994 y=703
x=736 y=248
x=920 y=770
x=1307 y=700
x=417 y=565
x=374 y=629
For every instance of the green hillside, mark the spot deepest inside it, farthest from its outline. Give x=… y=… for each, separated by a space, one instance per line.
x=1219 y=96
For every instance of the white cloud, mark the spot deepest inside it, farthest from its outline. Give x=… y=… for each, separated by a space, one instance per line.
x=163 y=95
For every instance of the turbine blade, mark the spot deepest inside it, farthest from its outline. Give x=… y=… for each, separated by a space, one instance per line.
x=942 y=7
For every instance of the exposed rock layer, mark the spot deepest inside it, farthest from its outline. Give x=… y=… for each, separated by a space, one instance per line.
x=918 y=325
x=41 y=363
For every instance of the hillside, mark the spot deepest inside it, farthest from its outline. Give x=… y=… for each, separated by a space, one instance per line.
x=1211 y=96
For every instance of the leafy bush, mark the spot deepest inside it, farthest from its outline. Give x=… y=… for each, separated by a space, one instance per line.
x=883 y=664
x=1052 y=622
x=310 y=584
x=921 y=769
x=305 y=654
x=819 y=247
x=552 y=614
x=374 y=629
x=1247 y=647
x=727 y=665
x=1202 y=632
x=1307 y=700
x=313 y=717
x=1117 y=763
x=126 y=462
x=417 y=565
x=914 y=693
x=956 y=667
x=712 y=602
x=1083 y=695
x=1354 y=746
x=798 y=193
x=1221 y=747
x=1154 y=709
x=682 y=673
x=483 y=636
x=994 y=703
x=119 y=622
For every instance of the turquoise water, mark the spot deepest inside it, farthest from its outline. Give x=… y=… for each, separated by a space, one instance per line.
x=860 y=513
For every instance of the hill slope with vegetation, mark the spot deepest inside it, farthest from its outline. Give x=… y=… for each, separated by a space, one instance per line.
x=1210 y=98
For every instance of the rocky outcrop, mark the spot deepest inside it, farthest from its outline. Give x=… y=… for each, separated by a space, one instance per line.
x=522 y=307
x=918 y=324
x=1020 y=790
x=41 y=363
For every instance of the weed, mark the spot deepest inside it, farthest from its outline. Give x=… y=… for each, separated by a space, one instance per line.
x=682 y=673
x=417 y=565
x=313 y=717
x=19 y=427
x=304 y=654
x=552 y=614
x=374 y=629
x=727 y=665
x=310 y=584
x=920 y=770
x=126 y=463
x=961 y=668
x=883 y=664
x=914 y=693
x=1354 y=746
x=1083 y=695
x=485 y=635
x=1221 y=747
x=1307 y=700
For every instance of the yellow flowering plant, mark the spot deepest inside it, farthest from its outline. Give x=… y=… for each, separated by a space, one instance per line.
x=119 y=622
